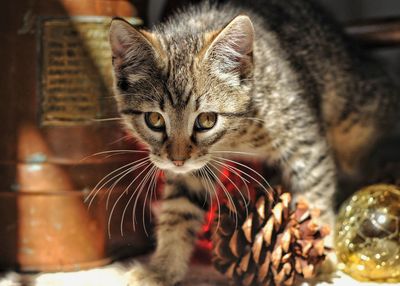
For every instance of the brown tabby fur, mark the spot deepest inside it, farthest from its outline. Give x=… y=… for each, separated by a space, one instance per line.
x=287 y=86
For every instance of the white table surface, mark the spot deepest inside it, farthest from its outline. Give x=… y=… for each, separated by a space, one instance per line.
x=115 y=275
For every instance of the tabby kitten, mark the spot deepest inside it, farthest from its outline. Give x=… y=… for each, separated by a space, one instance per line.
x=273 y=78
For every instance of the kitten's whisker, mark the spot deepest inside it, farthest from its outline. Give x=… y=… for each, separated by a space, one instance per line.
x=248 y=168
x=208 y=192
x=247 y=202
x=106 y=119
x=234 y=152
x=117 y=181
x=119 y=198
x=153 y=193
x=120 y=175
x=202 y=179
x=113 y=152
x=230 y=168
x=143 y=184
x=117 y=154
x=113 y=155
x=245 y=181
x=110 y=189
x=123 y=138
x=216 y=196
x=251 y=177
x=158 y=176
x=125 y=173
x=136 y=192
x=96 y=188
x=105 y=178
x=120 y=151
x=228 y=196
x=118 y=169
x=206 y=184
x=148 y=192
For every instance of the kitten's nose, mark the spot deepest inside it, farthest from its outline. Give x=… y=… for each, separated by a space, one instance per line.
x=178 y=163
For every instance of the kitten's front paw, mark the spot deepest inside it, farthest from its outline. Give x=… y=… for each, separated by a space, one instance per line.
x=329 y=266
x=140 y=275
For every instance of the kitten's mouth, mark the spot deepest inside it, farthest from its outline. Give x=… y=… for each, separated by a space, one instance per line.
x=188 y=166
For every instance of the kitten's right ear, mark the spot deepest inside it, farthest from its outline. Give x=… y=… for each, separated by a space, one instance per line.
x=230 y=51
x=129 y=44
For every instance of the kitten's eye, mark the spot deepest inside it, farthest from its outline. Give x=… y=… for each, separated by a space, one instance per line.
x=155 y=121
x=205 y=121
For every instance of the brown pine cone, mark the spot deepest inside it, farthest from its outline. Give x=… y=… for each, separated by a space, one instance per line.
x=270 y=245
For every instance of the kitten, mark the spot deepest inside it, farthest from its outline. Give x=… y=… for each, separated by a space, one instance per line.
x=274 y=78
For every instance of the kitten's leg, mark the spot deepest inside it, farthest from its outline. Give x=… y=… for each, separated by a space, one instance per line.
x=181 y=216
x=312 y=172
x=309 y=166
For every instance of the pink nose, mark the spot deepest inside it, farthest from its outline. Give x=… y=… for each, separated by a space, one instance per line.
x=178 y=163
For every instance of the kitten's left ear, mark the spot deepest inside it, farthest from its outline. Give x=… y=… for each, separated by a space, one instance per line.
x=231 y=50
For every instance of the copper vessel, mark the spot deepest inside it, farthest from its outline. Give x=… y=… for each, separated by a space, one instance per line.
x=56 y=112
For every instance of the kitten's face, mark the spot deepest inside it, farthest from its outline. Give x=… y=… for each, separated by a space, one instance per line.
x=183 y=97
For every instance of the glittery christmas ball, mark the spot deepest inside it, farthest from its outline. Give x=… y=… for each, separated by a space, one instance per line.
x=367 y=236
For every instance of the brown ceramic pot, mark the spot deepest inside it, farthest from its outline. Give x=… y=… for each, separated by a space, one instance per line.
x=56 y=92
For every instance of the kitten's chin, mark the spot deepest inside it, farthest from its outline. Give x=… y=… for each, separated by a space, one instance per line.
x=182 y=169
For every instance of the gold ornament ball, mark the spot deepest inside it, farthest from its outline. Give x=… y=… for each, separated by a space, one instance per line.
x=367 y=234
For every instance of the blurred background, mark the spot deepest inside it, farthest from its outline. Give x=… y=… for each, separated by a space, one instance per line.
x=345 y=10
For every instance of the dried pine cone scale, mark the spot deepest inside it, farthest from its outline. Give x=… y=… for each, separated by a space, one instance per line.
x=271 y=245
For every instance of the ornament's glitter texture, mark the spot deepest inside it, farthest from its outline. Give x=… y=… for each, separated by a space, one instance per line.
x=368 y=234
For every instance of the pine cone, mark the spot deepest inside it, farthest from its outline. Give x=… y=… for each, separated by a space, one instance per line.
x=270 y=245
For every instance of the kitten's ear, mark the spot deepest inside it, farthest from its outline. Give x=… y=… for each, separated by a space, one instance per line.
x=129 y=44
x=232 y=48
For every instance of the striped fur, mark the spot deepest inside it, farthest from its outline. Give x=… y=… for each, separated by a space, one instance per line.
x=286 y=84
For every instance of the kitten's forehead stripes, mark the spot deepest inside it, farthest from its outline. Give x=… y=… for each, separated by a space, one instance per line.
x=197 y=104
x=186 y=96
x=179 y=69
x=168 y=94
x=162 y=104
